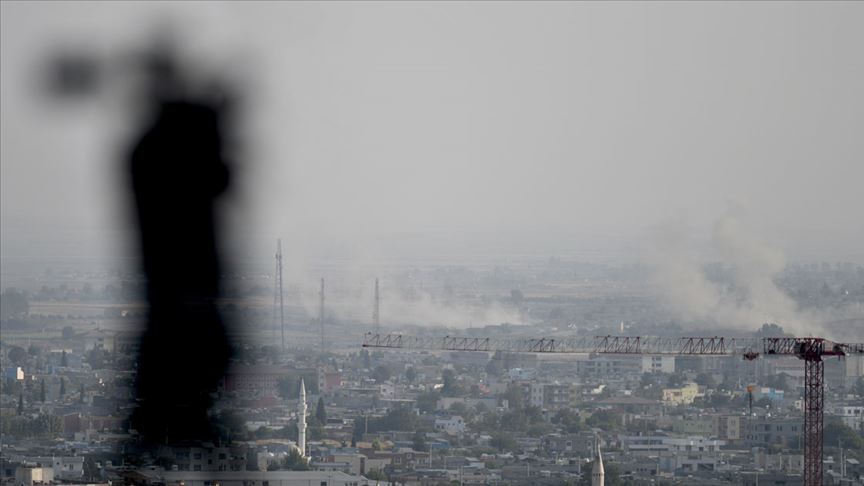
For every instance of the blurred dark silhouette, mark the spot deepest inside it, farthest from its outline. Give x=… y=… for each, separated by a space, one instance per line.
x=178 y=172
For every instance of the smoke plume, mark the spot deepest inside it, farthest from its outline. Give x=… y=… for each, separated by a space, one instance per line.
x=743 y=297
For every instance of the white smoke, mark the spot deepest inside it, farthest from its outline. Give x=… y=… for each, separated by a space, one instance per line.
x=350 y=298
x=750 y=299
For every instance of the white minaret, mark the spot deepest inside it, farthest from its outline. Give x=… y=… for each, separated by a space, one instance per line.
x=301 y=420
x=598 y=474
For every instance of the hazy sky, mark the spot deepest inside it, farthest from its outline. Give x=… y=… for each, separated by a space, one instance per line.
x=512 y=126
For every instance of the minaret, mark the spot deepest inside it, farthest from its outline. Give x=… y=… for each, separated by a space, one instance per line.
x=301 y=420
x=598 y=474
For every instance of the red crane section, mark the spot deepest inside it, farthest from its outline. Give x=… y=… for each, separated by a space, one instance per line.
x=811 y=350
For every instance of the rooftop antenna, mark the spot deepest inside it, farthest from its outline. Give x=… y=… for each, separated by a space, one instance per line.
x=321 y=314
x=376 y=316
x=279 y=291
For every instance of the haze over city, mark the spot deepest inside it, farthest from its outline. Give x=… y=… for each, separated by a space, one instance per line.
x=561 y=128
x=431 y=243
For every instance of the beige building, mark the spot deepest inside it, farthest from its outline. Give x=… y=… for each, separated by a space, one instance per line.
x=684 y=395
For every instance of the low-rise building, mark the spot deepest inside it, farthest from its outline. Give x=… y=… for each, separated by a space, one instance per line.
x=454 y=425
x=262 y=478
x=852 y=416
x=681 y=396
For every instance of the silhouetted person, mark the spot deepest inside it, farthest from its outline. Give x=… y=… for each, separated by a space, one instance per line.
x=177 y=173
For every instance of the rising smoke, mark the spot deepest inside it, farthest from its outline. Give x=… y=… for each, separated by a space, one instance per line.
x=400 y=307
x=745 y=299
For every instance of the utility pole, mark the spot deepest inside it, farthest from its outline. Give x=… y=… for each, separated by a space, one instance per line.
x=321 y=314
x=280 y=291
x=376 y=316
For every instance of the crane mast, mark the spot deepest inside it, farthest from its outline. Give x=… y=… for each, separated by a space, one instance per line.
x=809 y=349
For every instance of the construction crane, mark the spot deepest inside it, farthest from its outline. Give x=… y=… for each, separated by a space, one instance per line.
x=811 y=350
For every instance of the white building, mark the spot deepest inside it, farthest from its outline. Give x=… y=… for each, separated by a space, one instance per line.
x=653 y=444
x=852 y=416
x=64 y=467
x=658 y=364
x=454 y=425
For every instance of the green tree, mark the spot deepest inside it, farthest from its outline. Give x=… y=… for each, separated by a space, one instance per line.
x=459 y=408
x=503 y=442
x=837 y=433
x=91 y=470
x=20 y=403
x=567 y=420
x=514 y=396
x=705 y=379
x=494 y=367
x=62 y=386
x=411 y=374
x=97 y=358
x=231 y=426
x=321 y=412
x=539 y=429
x=381 y=373
x=360 y=424
x=315 y=431
x=604 y=419
x=419 y=441
x=81 y=394
x=613 y=476
x=397 y=418
x=295 y=462
x=858 y=389
x=376 y=475
x=516 y=296
x=64 y=361
x=451 y=386
x=646 y=380
x=428 y=401
x=13 y=304
x=42 y=396
x=17 y=355
x=675 y=380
